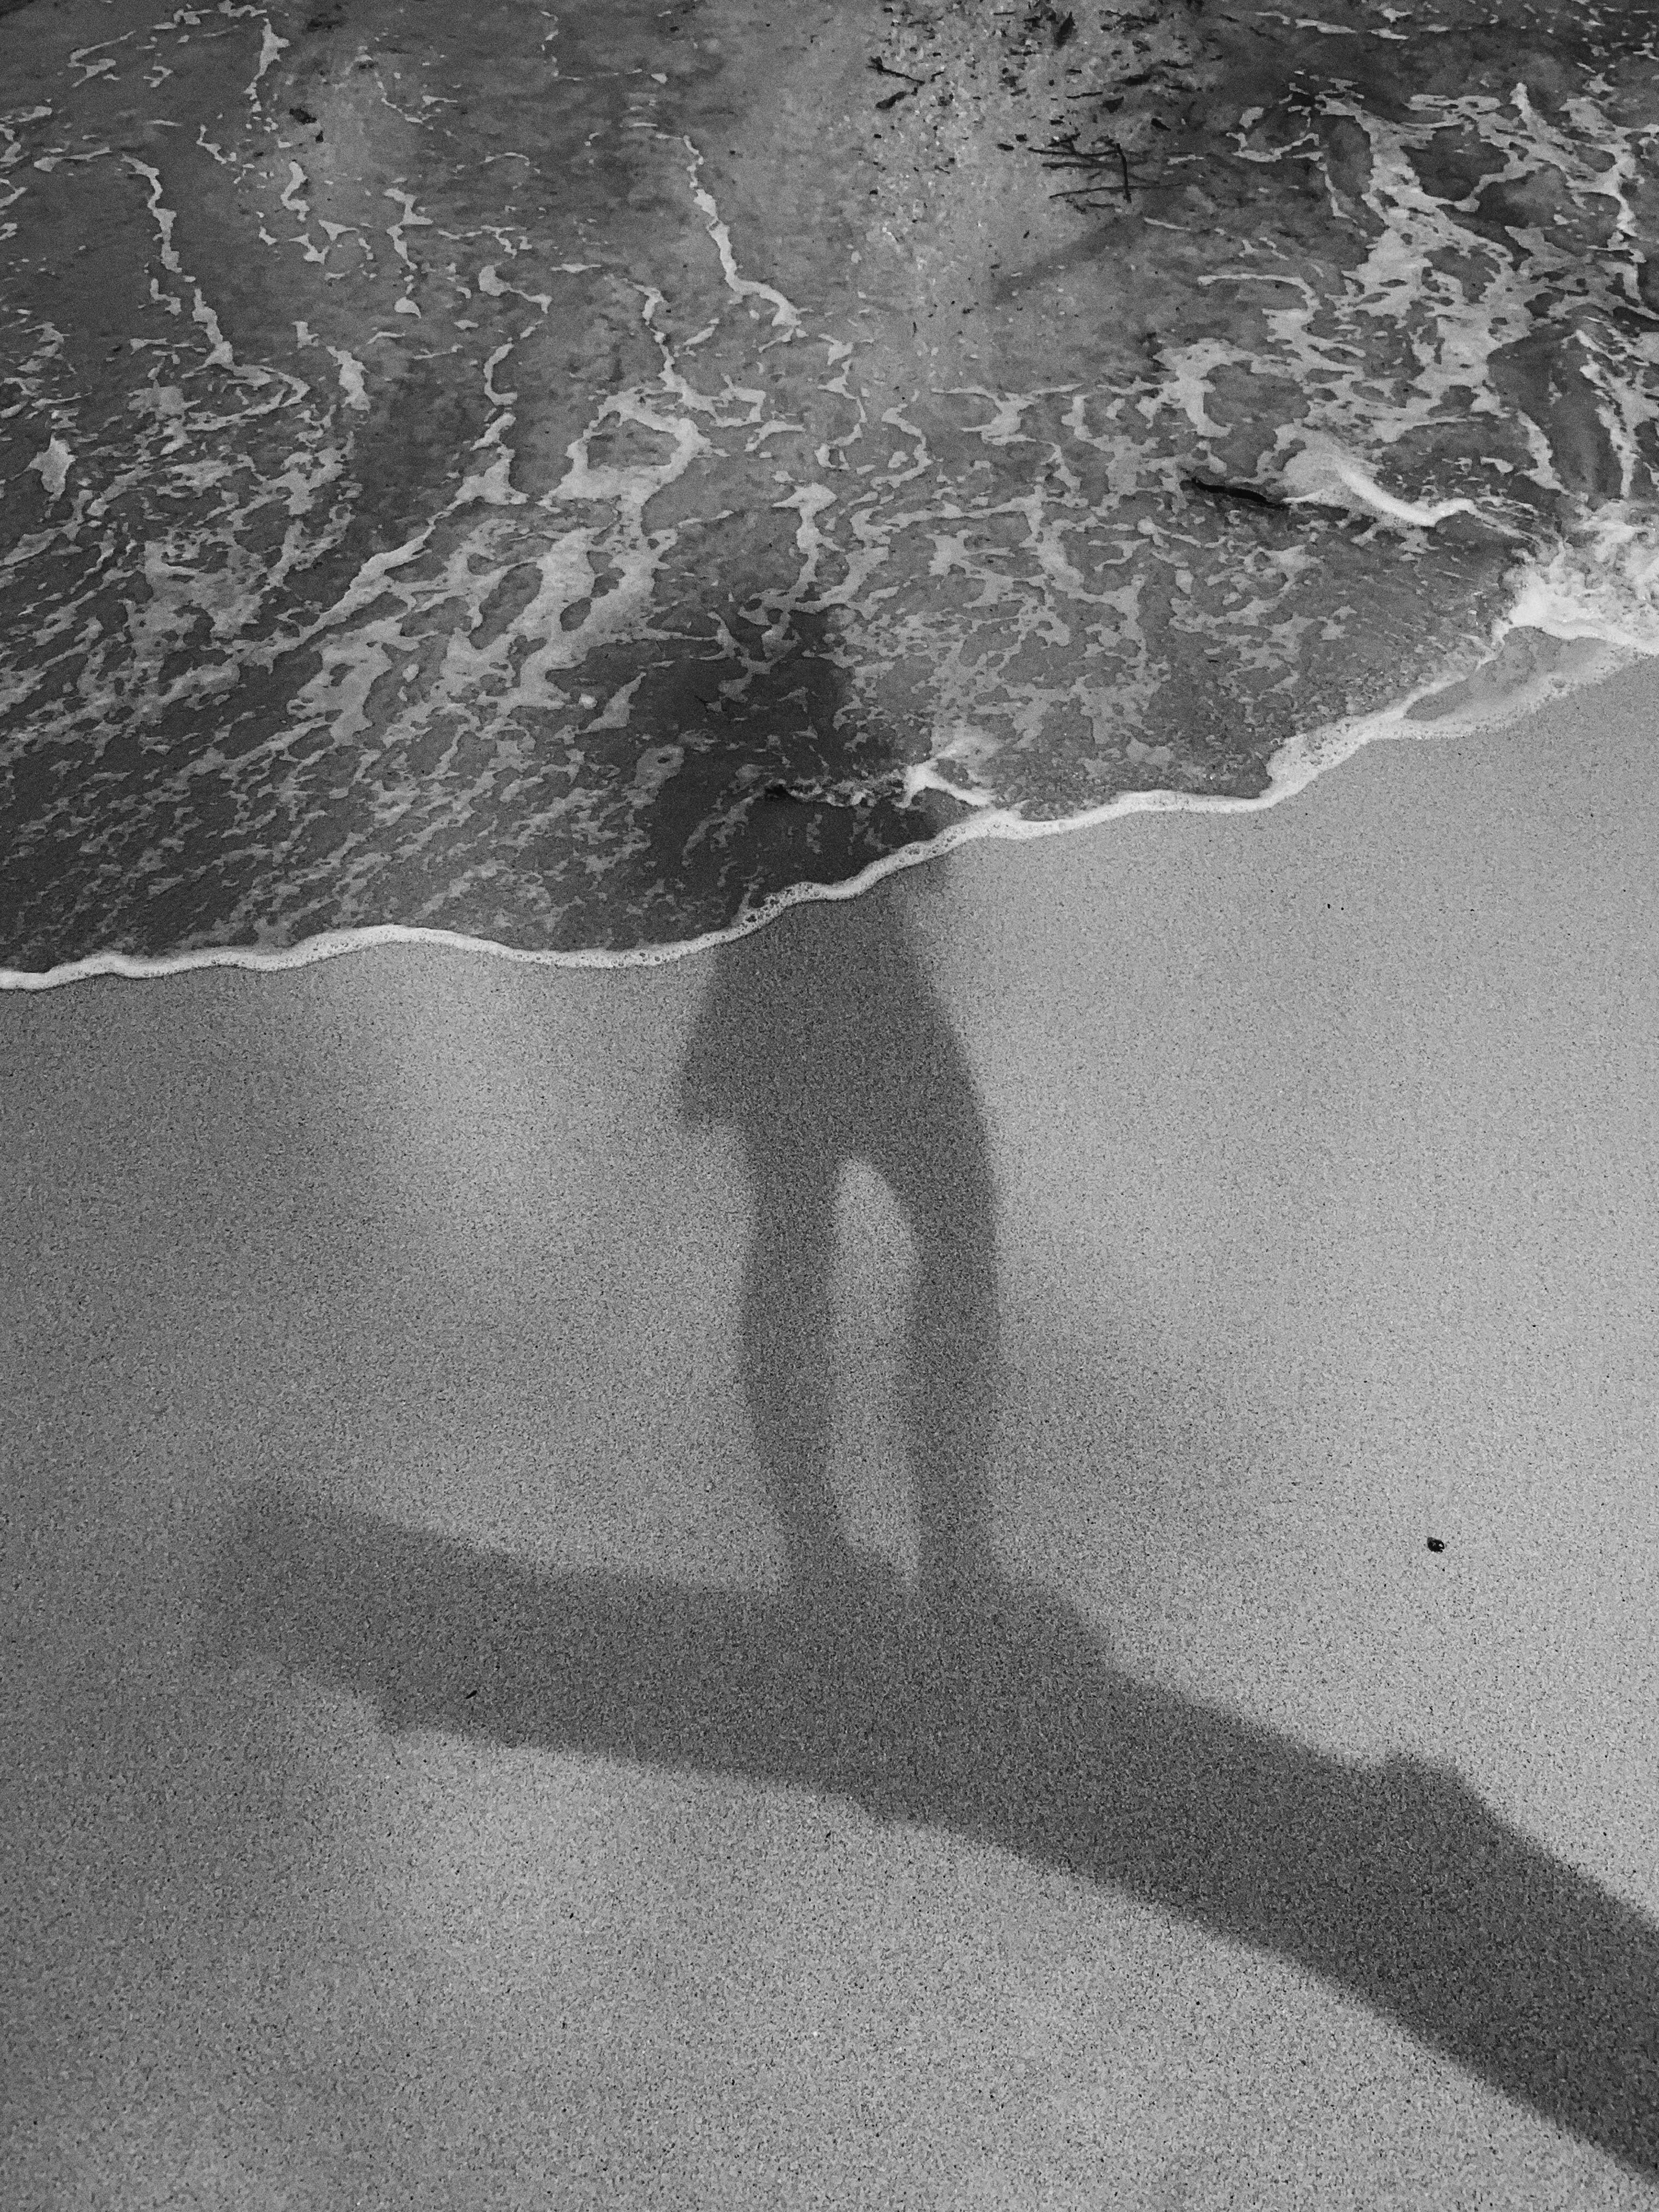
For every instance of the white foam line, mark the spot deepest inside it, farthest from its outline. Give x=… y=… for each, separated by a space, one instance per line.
x=165 y=217
x=1370 y=494
x=1296 y=764
x=53 y=466
x=787 y=316
x=351 y=379
x=270 y=48
x=408 y=220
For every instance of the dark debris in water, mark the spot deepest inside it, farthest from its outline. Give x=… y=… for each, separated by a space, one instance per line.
x=1246 y=495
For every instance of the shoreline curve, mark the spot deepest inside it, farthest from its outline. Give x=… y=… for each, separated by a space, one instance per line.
x=1297 y=763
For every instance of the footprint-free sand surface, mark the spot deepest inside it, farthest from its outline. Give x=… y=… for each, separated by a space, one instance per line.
x=418 y=1791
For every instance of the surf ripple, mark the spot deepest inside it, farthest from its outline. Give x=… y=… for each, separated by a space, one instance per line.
x=578 y=485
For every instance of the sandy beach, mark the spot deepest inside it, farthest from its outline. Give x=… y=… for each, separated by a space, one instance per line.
x=415 y=1794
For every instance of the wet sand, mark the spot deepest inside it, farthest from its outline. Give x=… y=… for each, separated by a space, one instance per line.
x=419 y=1791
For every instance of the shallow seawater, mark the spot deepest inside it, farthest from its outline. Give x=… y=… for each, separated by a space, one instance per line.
x=571 y=479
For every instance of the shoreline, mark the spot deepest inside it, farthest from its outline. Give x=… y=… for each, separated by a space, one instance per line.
x=1487 y=706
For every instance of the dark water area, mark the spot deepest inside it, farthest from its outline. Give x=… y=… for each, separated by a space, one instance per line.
x=569 y=479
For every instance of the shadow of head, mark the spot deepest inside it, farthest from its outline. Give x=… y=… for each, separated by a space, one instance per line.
x=1009 y=1724
x=766 y=772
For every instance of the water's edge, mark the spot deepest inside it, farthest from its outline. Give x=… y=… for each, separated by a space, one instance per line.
x=1589 y=662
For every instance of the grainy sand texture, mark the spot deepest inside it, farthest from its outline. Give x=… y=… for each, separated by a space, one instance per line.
x=423 y=1787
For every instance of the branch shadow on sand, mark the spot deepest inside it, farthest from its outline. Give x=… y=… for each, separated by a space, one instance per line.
x=1011 y=1726
x=969 y=1705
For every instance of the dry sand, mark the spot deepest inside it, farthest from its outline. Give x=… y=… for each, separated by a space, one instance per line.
x=1323 y=1207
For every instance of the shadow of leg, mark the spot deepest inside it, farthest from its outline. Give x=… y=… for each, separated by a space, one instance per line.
x=948 y=1395
x=786 y=1345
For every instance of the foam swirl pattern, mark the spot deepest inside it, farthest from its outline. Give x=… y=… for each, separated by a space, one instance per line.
x=573 y=480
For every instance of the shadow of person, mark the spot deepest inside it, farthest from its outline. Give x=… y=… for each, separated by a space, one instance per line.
x=822 y=1042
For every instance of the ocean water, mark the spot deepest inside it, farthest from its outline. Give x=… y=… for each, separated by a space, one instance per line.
x=579 y=479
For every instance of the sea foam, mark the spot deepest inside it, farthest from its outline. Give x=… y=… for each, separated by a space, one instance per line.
x=695 y=516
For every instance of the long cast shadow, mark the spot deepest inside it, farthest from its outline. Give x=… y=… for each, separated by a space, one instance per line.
x=1010 y=1725
x=969 y=1706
